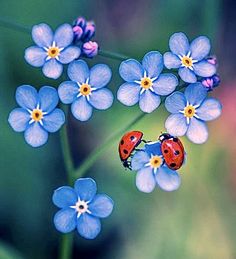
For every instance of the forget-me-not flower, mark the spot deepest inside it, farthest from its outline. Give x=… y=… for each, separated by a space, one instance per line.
x=152 y=171
x=52 y=50
x=190 y=59
x=87 y=89
x=190 y=111
x=81 y=208
x=38 y=114
x=145 y=83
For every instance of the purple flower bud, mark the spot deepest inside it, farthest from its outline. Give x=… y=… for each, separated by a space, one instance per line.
x=89 y=31
x=78 y=32
x=212 y=60
x=211 y=82
x=80 y=21
x=90 y=49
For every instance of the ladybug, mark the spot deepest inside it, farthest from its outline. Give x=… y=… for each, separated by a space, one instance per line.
x=127 y=144
x=172 y=150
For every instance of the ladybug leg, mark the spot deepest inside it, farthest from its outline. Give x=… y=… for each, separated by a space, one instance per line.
x=138 y=149
x=146 y=141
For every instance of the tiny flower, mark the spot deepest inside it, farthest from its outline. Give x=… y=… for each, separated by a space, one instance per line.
x=145 y=83
x=152 y=171
x=211 y=82
x=90 y=49
x=87 y=89
x=81 y=208
x=89 y=31
x=212 y=60
x=52 y=50
x=190 y=111
x=189 y=59
x=38 y=114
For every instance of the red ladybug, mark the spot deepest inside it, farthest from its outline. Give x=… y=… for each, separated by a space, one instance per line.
x=127 y=144
x=172 y=150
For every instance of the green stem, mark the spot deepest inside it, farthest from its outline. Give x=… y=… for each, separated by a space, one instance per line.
x=14 y=26
x=66 y=246
x=112 y=55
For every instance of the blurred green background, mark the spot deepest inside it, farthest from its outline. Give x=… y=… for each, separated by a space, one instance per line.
x=198 y=220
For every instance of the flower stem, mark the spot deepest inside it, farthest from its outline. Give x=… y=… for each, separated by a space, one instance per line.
x=14 y=26
x=66 y=246
x=112 y=55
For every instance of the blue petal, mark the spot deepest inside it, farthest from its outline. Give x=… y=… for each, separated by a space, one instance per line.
x=165 y=84
x=131 y=70
x=195 y=93
x=187 y=75
x=176 y=124
x=197 y=131
x=171 y=60
x=200 y=48
x=19 y=119
x=53 y=121
x=167 y=179
x=48 y=98
x=149 y=101
x=128 y=93
x=153 y=148
x=81 y=109
x=64 y=196
x=65 y=220
x=69 y=54
x=175 y=102
x=153 y=63
x=35 y=56
x=145 y=180
x=42 y=35
x=179 y=44
x=27 y=97
x=101 y=206
x=139 y=160
x=204 y=69
x=88 y=226
x=35 y=135
x=52 y=68
x=85 y=188
x=68 y=91
x=210 y=109
x=101 y=99
x=100 y=75
x=63 y=36
x=78 y=71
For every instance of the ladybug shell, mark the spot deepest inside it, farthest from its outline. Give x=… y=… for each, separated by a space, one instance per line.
x=173 y=152
x=128 y=143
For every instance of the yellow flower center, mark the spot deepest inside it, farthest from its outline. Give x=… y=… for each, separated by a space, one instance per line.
x=53 y=52
x=85 y=89
x=146 y=82
x=189 y=111
x=81 y=206
x=187 y=61
x=155 y=161
x=37 y=114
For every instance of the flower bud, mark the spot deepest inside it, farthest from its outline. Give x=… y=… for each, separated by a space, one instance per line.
x=89 y=31
x=80 y=21
x=211 y=82
x=212 y=60
x=78 y=32
x=90 y=49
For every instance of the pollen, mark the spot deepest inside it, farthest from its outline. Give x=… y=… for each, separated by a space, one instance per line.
x=53 y=52
x=187 y=61
x=37 y=115
x=156 y=161
x=85 y=89
x=146 y=83
x=189 y=111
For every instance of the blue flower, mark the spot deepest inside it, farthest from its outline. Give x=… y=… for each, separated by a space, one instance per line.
x=81 y=208
x=38 y=114
x=145 y=83
x=52 y=50
x=190 y=111
x=86 y=90
x=189 y=59
x=152 y=171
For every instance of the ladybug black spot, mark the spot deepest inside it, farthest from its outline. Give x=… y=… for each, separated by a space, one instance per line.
x=166 y=151
x=125 y=151
x=122 y=142
x=175 y=139
x=173 y=165
x=176 y=152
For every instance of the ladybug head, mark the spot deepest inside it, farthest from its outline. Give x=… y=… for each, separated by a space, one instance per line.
x=164 y=136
